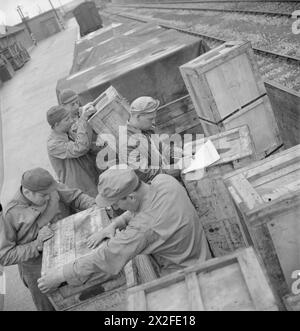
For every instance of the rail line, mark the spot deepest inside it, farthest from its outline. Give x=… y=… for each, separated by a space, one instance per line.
x=259 y=51
x=193 y=8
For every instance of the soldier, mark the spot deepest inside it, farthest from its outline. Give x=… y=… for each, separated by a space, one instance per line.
x=145 y=152
x=68 y=154
x=160 y=220
x=39 y=201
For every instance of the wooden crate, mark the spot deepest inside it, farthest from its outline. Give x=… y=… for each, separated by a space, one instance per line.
x=292 y=302
x=267 y=195
x=210 y=197
x=99 y=293
x=227 y=91
x=233 y=282
x=112 y=111
x=137 y=271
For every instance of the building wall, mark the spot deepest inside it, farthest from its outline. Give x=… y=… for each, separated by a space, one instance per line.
x=23 y=37
x=44 y=25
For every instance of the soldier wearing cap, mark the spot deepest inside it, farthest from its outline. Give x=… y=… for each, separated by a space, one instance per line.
x=39 y=202
x=69 y=99
x=145 y=152
x=69 y=155
x=160 y=221
x=71 y=102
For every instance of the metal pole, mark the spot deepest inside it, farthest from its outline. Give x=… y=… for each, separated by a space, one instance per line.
x=19 y=10
x=58 y=18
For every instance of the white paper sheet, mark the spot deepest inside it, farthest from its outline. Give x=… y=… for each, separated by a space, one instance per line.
x=205 y=156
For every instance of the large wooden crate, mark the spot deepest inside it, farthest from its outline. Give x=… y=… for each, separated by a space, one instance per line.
x=210 y=197
x=233 y=282
x=112 y=111
x=137 y=271
x=69 y=244
x=267 y=195
x=100 y=292
x=227 y=91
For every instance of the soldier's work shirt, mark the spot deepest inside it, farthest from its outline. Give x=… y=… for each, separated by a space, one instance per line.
x=71 y=161
x=22 y=221
x=166 y=226
x=145 y=153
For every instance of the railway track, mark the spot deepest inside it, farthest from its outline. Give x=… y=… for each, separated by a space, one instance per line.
x=273 y=65
x=194 y=8
x=216 y=40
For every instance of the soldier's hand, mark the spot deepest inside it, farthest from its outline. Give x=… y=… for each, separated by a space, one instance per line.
x=44 y=234
x=87 y=111
x=54 y=199
x=95 y=239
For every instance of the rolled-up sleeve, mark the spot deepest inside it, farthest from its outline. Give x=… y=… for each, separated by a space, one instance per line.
x=68 y=149
x=110 y=257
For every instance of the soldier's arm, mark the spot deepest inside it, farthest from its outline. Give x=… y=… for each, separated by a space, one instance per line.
x=75 y=197
x=68 y=149
x=10 y=252
x=107 y=260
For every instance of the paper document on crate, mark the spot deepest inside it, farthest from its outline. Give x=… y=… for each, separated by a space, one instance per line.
x=205 y=156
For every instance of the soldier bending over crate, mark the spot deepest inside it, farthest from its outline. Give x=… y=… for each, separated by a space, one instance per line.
x=160 y=220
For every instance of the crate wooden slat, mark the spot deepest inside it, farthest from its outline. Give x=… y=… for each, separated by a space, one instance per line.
x=233 y=282
x=67 y=245
x=100 y=292
x=227 y=91
x=112 y=111
x=267 y=195
x=210 y=197
x=137 y=271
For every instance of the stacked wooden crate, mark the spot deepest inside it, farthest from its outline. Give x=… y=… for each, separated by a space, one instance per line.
x=23 y=53
x=267 y=195
x=210 y=197
x=227 y=91
x=12 y=53
x=6 y=69
x=233 y=282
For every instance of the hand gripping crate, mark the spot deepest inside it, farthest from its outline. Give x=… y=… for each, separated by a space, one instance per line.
x=227 y=91
x=99 y=293
x=267 y=195
x=212 y=200
x=112 y=111
x=67 y=245
x=233 y=282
